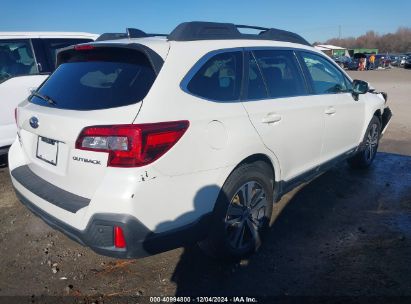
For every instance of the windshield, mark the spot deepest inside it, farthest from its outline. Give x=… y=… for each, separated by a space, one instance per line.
x=16 y=59
x=102 y=79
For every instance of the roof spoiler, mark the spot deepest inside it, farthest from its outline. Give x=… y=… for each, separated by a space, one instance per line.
x=130 y=33
x=65 y=54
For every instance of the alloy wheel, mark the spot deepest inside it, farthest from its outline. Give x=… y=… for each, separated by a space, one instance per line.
x=371 y=143
x=246 y=215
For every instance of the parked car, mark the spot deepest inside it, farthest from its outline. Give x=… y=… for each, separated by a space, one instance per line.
x=136 y=146
x=396 y=60
x=407 y=63
x=353 y=65
x=382 y=61
x=26 y=60
x=403 y=57
x=343 y=61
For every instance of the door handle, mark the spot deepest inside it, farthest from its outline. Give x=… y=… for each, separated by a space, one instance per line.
x=271 y=118
x=330 y=111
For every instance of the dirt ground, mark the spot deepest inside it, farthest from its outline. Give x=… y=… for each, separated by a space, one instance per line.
x=347 y=233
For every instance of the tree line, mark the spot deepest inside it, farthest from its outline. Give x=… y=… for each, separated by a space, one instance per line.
x=398 y=42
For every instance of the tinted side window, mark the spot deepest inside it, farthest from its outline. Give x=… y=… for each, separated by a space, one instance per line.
x=256 y=85
x=281 y=73
x=16 y=59
x=326 y=78
x=219 y=78
x=52 y=46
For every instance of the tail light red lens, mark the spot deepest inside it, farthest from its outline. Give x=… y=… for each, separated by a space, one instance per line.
x=132 y=145
x=119 y=239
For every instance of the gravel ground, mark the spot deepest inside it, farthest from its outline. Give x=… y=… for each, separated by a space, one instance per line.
x=347 y=233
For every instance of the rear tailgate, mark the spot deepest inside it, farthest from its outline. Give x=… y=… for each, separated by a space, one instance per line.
x=50 y=148
x=94 y=86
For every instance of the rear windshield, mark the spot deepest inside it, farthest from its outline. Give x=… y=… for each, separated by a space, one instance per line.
x=96 y=79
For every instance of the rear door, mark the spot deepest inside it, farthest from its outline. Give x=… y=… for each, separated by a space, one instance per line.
x=101 y=86
x=290 y=122
x=342 y=114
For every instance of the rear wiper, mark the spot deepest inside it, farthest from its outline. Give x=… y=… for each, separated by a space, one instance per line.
x=44 y=97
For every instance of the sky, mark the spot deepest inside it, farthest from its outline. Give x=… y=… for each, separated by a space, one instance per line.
x=314 y=20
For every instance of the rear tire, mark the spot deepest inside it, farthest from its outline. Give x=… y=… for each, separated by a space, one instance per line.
x=242 y=212
x=368 y=148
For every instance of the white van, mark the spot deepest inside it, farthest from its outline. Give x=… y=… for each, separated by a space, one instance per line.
x=26 y=60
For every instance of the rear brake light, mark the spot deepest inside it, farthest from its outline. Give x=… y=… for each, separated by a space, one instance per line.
x=83 y=47
x=132 y=145
x=119 y=239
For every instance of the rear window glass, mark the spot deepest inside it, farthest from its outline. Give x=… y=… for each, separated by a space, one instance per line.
x=98 y=79
x=219 y=78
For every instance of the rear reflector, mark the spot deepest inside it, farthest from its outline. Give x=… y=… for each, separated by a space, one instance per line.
x=119 y=239
x=132 y=145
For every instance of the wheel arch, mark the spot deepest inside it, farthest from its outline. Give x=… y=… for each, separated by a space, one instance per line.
x=258 y=157
x=272 y=163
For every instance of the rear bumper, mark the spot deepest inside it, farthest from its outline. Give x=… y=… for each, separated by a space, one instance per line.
x=141 y=242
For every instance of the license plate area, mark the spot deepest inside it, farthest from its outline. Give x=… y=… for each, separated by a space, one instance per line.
x=47 y=150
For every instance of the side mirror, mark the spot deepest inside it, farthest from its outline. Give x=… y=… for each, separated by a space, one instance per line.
x=359 y=87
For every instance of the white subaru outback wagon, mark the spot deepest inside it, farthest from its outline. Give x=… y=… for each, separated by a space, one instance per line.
x=140 y=143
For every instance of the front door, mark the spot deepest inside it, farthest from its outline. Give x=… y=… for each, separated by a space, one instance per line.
x=343 y=115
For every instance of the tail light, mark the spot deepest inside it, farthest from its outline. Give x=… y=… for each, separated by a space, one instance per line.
x=132 y=145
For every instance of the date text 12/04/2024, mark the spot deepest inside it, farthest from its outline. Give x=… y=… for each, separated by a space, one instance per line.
x=203 y=300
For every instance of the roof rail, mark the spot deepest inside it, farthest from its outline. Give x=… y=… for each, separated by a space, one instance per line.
x=198 y=30
x=130 y=33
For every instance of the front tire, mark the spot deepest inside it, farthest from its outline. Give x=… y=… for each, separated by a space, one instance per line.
x=242 y=213
x=368 y=148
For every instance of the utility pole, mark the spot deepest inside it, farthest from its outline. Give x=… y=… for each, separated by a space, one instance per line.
x=339 y=32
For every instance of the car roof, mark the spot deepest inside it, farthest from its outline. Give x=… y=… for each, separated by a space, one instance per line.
x=161 y=44
x=26 y=35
